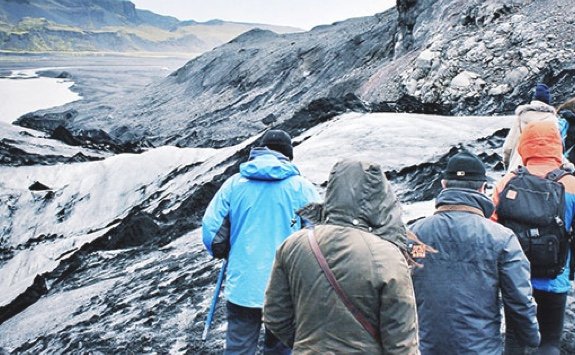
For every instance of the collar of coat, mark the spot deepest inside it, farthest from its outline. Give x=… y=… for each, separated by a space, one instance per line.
x=467 y=197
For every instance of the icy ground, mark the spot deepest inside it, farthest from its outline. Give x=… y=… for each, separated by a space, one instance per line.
x=106 y=293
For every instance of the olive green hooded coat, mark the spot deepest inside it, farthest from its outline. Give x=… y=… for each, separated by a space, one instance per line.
x=358 y=218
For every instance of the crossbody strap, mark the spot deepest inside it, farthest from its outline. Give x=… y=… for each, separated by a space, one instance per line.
x=358 y=315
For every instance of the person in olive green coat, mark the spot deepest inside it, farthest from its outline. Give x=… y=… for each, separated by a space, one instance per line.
x=360 y=233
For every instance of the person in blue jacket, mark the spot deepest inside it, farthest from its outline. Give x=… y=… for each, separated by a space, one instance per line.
x=260 y=203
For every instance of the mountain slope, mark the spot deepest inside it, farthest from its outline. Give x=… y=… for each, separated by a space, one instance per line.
x=87 y=14
x=434 y=56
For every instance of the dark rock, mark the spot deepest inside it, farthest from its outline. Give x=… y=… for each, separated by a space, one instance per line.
x=30 y=296
x=138 y=229
x=79 y=157
x=55 y=74
x=422 y=182
x=64 y=75
x=13 y=156
x=97 y=139
x=46 y=121
x=321 y=110
x=408 y=103
x=269 y=119
x=96 y=135
x=38 y=186
x=63 y=135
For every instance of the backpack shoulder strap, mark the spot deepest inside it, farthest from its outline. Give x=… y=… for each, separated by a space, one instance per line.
x=556 y=174
x=521 y=170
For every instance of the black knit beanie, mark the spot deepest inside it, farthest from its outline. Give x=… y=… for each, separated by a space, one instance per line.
x=465 y=166
x=279 y=141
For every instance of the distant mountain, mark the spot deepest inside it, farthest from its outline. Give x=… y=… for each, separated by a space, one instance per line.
x=107 y=25
x=85 y=14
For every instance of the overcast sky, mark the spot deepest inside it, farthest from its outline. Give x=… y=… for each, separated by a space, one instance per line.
x=297 y=13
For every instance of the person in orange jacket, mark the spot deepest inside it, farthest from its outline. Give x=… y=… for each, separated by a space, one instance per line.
x=541 y=149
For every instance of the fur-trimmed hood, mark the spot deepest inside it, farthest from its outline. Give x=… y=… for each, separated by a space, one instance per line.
x=534 y=105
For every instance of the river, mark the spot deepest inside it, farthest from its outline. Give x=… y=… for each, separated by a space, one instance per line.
x=96 y=78
x=23 y=91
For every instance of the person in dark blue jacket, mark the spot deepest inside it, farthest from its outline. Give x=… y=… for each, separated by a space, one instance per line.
x=479 y=266
x=260 y=203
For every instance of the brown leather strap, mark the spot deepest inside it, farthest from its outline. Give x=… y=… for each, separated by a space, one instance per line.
x=460 y=208
x=338 y=290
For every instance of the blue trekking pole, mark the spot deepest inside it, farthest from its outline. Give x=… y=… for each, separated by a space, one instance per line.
x=210 y=315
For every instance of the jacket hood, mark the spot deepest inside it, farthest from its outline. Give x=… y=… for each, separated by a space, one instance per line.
x=467 y=197
x=358 y=195
x=266 y=164
x=534 y=105
x=541 y=143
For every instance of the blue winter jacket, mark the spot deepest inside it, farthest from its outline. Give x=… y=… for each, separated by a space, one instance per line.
x=260 y=202
x=460 y=289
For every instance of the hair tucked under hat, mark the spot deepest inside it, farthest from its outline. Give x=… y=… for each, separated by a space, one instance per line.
x=278 y=140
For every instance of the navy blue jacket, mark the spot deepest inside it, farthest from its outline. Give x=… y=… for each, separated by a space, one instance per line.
x=460 y=289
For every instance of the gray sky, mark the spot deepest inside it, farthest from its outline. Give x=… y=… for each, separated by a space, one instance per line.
x=297 y=13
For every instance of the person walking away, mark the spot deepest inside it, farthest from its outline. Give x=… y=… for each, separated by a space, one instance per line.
x=541 y=148
x=359 y=232
x=539 y=109
x=567 y=129
x=479 y=265
x=257 y=208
